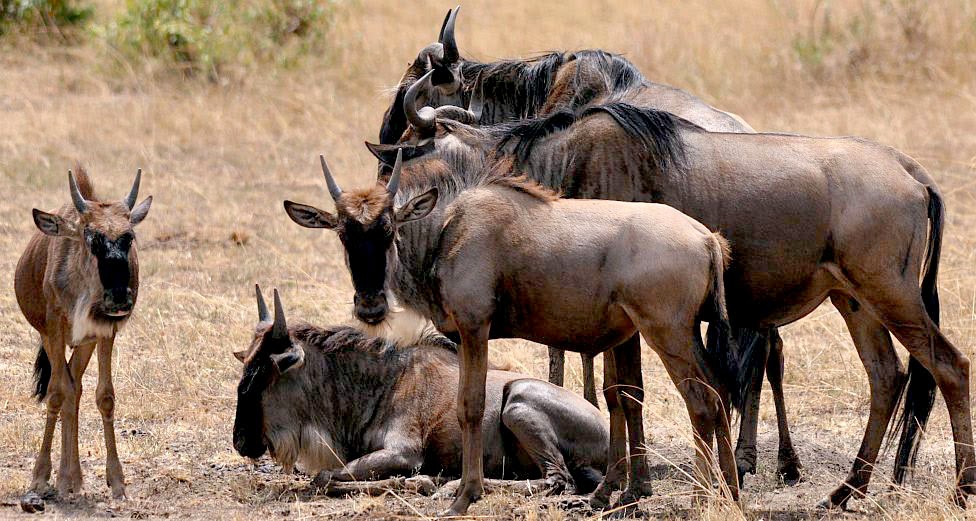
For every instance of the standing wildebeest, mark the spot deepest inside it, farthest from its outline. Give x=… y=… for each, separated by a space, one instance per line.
x=807 y=218
x=518 y=89
x=77 y=284
x=496 y=256
x=354 y=407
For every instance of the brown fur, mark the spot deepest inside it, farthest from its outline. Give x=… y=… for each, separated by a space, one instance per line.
x=59 y=290
x=364 y=204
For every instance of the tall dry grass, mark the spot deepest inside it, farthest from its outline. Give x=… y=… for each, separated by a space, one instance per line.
x=219 y=158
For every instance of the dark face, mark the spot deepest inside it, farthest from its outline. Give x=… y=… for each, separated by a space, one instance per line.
x=260 y=374
x=112 y=257
x=366 y=250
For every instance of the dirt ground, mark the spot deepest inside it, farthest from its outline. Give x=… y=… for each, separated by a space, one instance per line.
x=219 y=159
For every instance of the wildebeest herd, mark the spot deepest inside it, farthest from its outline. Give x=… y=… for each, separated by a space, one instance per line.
x=565 y=200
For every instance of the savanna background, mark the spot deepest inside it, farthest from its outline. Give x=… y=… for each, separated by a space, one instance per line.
x=225 y=106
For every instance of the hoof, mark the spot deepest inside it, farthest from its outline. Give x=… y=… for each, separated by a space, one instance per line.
x=32 y=503
x=791 y=476
x=826 y=505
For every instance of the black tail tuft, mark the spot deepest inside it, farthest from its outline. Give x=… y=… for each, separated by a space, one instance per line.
x=42 y=374
x=920 y=390
x=722 y=350
x=587 y=479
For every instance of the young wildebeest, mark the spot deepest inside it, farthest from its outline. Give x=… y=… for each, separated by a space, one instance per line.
x=77 y=284
x=500 y=257
x=807 y=218
x=516 y=89
x=354 y=407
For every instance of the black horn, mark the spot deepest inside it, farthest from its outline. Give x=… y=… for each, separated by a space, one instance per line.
x=80 y=204
x=451 y=54
x=263 y=314
x=280 y=328
x=130 y=200
x=424 y=118
x=334 y=189
x=394 y=182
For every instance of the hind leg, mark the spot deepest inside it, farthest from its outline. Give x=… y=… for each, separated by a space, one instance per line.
x=682 y=354
x=40 y=482
x=903 y=313
x=788 y=462
x=589 y=381
x=885 y=378
x=745 y=449
x=557 y=366
x=527 y=416
x=631 y=390
x=617 y=451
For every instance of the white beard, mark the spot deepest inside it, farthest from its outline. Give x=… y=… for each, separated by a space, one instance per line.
x=85 y=329
x=311 y=448
x=402 y=326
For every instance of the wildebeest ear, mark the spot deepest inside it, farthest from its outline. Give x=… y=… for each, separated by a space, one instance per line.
x=293 y=358
x=54 y=225
x=140 y=212
x=310 y=216
x=240 y=355
x=418 y=207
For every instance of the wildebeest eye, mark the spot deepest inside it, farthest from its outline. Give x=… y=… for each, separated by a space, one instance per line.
x=124 y=242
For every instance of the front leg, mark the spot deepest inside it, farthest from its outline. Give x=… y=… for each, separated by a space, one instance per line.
x=471 y=411
x=381 y=464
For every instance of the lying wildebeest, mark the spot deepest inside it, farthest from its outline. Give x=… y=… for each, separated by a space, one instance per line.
x=518 y=89
x=77 y=284
x=349 y=407
x=498 y=256
x=807 y=218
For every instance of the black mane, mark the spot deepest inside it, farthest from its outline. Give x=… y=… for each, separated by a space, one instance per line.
x=656 y=129
x=520 y=86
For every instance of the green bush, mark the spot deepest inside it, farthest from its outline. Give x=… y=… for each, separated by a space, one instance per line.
x=212 y=37
x=41 y=17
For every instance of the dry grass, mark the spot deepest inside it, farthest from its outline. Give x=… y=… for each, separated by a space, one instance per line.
x=220 y=159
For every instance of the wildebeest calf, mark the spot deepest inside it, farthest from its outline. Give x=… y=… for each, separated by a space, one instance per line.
x=353 y=407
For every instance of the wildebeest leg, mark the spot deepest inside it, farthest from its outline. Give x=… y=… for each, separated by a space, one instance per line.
x=745 y=449
x=526 y=413
x=471 y=410
x=400 y=461
x=589 y=381
x=40 y=482
x=788 y=462
x=76 y=367
x=105 y=400
x=424 y=485
x=898 y=302
x=681 y=351
x=617 y=450
x=557 y=366
x=885 y=377
x=631 y=389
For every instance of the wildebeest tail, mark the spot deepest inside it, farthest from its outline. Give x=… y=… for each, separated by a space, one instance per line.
x=919 y=395
x=722 y=347
x=42 y=374
x=587 y=478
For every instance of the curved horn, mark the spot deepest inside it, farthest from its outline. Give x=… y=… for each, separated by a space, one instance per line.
x=456 y=113
x=334 y=189
x=394 y=182
x=130 y=200
x=451 y=54
x=80 y=204
x=440 y=35
x=280 y=328
x=420 y=119
x=263 y=314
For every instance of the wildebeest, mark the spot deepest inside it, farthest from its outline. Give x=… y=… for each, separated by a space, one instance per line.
x=524 y=88
x=77 y=283
x=517 y=89
x=349 y=406
x=497 y=256
x=764 y=343
x=807 y=218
